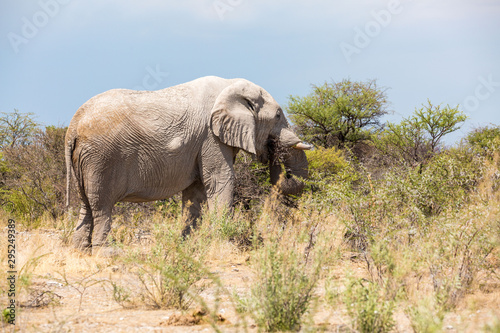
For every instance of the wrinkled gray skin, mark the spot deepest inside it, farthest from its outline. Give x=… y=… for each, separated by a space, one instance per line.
x=137 y=146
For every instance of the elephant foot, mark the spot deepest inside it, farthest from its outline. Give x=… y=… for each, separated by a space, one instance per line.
x=84 y=250
x=187 y=231
x=83 y=246
x=106 y=251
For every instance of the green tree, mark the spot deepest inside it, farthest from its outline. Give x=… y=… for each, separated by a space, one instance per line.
x=16 y=128
x=419 y=137
x=340 y=113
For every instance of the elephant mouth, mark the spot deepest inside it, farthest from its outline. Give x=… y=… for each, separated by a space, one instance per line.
x=295 y=167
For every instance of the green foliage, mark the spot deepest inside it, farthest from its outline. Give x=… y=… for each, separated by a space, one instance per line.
x=283 y=290
x=17 y=129
x=447 y=180
x=444 y=182
x=338 y=114
x=34 y=177
x=485 y=139
x=438 y=219
x=326 y=162
x=366 y=304
x=403 y=200
x=5 y=315
x=417 y=138
x=121 y=295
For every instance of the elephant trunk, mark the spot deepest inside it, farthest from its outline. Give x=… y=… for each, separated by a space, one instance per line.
x=295 y=162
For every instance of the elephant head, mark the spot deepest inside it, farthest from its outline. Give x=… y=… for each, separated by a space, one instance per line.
x=246 y=116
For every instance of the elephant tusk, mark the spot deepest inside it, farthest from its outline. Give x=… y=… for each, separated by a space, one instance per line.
x=302 y=146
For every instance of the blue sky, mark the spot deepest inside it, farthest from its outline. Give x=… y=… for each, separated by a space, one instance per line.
x=56 y=54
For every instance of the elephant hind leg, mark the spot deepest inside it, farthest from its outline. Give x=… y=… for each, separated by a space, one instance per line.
x=82 y=236
x=193 y=197
x=102 y=226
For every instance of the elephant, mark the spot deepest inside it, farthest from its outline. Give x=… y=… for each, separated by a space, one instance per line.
x=138 y=146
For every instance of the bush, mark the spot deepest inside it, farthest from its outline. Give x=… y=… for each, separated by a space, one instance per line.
x=425 y=317
x=458 y=251
x=444 y=182
x=169 y=273
x=35 y=176
x=283 y=289
x=486 y=139
x=367 y=306
x=326 y=162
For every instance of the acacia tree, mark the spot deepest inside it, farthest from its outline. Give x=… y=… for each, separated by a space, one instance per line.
x=16 y=128
x=419 y=137
x=339 y=113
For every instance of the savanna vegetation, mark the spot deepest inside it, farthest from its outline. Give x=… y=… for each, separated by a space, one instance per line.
x=395 y=231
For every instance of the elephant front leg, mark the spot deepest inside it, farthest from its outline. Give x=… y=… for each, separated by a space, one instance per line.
x=220 y=193
x=193 y=198
x=218 y=175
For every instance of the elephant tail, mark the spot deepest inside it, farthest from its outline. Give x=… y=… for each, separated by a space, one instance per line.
x=74 y=170
x=68 y=154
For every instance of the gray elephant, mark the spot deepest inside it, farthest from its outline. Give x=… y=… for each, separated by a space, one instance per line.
x=136 y=146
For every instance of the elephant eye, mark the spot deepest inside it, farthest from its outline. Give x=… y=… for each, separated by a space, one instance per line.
x=278 y=114
x=250 y=104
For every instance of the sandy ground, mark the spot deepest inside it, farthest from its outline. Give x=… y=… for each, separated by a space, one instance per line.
x=83 y=306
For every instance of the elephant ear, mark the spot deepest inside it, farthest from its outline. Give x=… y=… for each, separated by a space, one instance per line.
x=233 y=118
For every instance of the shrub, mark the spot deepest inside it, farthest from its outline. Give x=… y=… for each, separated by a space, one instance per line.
x=283 y=290
x=368 y=307
x=34 y=182
x=326 y=162
x=485 y=139
x=425 y=316
x=444 y=182
x=17 y=129
x=169 y=273
x=458 y=251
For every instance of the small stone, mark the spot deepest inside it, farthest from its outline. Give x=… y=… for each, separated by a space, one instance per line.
x=54 y=283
